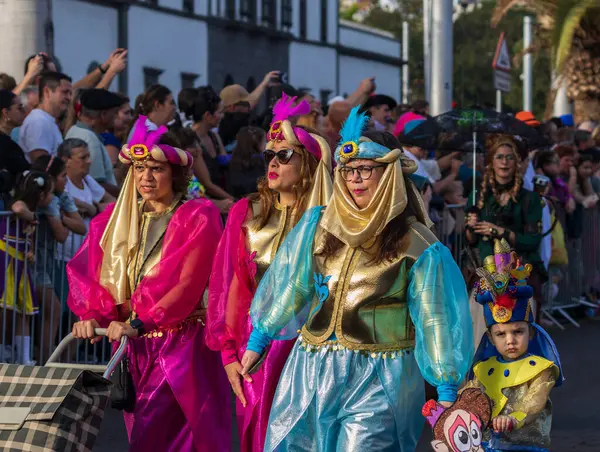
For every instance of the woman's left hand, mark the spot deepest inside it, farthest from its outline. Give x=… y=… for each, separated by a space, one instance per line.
x=489 y=229
x=116 y=330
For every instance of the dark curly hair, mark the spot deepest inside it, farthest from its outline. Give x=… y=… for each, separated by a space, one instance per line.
x=181 y=174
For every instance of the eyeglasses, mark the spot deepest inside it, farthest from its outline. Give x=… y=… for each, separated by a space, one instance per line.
x=283 y=156
x=507 y=157
x=365 y=172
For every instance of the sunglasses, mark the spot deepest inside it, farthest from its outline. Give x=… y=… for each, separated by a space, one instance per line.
x=283 y=156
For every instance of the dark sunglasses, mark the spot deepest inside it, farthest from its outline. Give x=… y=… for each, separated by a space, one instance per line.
x=283 y=156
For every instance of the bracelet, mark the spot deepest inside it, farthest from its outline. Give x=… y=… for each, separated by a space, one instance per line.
x=103 y=71
x=506 y=235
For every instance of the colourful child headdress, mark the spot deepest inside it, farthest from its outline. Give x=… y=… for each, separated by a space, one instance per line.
x=144 y=145
x=503 y=289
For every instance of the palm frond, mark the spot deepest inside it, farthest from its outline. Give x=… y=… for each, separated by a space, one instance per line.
x=565 y=29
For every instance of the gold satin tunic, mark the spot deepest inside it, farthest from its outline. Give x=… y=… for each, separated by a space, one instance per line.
x=366 y=306
x=153 y=227
x=266 y=241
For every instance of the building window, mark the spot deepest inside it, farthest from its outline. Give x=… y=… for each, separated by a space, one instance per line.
x=151 y=76
x=303 y=19
x=269 y=12
x=230 y=9
x=248 y=10
x=286 y=13
x=188 y=80
x=228 y=80
x=324 y=20
x=188 y=6
x=152 y=2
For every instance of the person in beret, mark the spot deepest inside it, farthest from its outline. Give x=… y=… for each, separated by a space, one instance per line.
x=97 y=112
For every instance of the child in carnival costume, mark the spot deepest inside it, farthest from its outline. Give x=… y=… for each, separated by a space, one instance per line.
x=516 y=364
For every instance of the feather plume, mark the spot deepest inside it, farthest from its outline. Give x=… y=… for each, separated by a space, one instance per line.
x=284 y=108
x=505 y=301
x=353 y=126
x=141 y=134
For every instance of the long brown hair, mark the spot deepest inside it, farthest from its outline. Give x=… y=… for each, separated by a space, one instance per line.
x=267 y=197
x=489 y=178
x=393 y=240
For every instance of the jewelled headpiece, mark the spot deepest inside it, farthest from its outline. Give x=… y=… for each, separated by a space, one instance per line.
x=281 y=128
x=144 y=145
x=502 y=289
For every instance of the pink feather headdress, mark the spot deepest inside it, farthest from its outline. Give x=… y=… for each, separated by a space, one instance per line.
x=281 y=128
x=144 y=145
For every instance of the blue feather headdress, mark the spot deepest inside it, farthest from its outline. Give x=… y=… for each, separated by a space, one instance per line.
x=351 y=146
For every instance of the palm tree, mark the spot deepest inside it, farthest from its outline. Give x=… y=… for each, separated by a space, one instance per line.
x=571 y=30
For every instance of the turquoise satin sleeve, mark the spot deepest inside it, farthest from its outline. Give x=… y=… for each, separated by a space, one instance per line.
x=439 y=308
x=258 y=342
x=281 y=303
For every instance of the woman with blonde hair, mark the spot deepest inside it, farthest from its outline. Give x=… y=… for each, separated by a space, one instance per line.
x=506 y=210
x=298 y=177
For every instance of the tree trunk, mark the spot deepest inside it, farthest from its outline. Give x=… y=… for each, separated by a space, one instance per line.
x=586 y=109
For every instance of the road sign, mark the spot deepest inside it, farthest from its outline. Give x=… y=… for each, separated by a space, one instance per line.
x=502 y=81
x=502 y=57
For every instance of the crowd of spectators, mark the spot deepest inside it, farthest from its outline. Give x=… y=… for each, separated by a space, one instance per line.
x=59 y=167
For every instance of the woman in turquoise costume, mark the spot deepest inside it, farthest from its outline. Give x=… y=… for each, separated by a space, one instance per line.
x=377 y=302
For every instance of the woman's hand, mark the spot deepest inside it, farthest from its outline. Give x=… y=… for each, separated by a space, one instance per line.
x=502 y=424
x=234 y=375
x=116 y=330
x=85 y=330
x=472 y=220
x=489 y=229
x=249 y=359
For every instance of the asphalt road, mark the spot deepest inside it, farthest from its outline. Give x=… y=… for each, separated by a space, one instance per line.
x=576 y=403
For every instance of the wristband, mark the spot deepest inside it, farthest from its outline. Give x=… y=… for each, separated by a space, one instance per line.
x=103 y=71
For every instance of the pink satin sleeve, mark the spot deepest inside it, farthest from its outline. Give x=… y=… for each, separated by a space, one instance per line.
x=231 y=288
x=87 y=298
x=174 y=288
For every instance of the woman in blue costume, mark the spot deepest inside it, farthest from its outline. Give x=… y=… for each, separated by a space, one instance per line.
x=377 y=301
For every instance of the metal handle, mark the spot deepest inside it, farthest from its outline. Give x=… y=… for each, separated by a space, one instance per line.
x=110 y=367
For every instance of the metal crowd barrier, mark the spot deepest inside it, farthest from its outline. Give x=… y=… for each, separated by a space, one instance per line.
x=569 y=286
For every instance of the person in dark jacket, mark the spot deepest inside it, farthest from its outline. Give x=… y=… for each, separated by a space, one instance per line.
x=247 y=165
x=12 y=158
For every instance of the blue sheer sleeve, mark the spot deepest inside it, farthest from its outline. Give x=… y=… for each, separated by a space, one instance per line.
x=281 y=302
x=439 y=308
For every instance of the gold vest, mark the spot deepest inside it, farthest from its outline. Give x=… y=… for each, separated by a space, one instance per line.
x=364 y=304
x=266 y=241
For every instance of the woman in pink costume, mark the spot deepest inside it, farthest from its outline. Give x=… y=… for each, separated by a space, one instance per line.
x=142 y=272
x=298 y=177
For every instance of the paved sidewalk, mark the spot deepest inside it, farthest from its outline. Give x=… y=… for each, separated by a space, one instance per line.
x=576 y=403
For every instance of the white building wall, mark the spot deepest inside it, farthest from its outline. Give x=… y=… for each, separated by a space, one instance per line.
x=332 y=21
x=312 y=67
x=83 y=32
x=353 y=70
x=350 y=36
x=171 y=43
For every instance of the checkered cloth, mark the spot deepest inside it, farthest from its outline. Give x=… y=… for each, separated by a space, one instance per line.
x=66 y=407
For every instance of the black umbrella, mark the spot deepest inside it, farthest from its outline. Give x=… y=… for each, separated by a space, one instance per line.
x=466 y=128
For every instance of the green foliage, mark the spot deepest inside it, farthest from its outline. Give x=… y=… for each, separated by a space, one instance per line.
x=474 y=46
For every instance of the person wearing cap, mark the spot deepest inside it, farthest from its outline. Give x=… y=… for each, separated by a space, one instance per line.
x=99 y=110
x=528 y=118
x=142 y=272
x=376 y=300
x=379 y=108
x=236 y=97
x=298 y=178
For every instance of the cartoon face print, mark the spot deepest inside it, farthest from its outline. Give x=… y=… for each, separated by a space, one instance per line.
x=462 y=431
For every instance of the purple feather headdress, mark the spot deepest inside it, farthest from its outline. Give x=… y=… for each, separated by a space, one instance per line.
x=281 y=129
x=144 y=145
